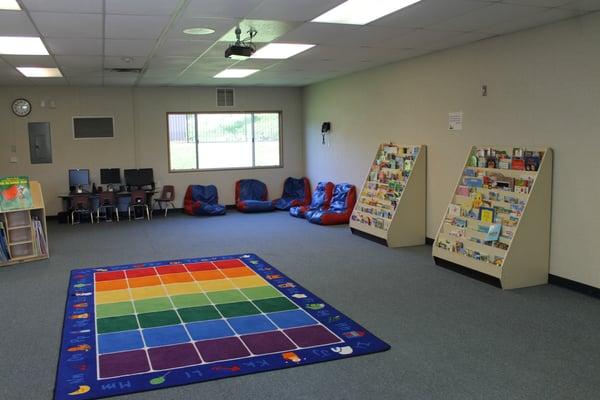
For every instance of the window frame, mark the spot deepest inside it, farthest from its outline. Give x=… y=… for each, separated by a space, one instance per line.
x=280 y=114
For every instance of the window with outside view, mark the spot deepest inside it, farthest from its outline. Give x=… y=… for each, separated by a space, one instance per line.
x=199 y=141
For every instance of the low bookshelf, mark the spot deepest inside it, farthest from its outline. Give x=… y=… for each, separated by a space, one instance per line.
x=498 y=220
x=391 y=205
x=23 y=231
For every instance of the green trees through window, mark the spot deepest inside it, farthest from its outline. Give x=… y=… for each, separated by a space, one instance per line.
x=224 y=140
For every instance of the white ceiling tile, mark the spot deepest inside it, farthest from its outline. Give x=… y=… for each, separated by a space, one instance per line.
x=345 y=35
x=4 y=65
x=583 y=5
x=220 y=25
x=49 y=81
x=209 y=64
x=16 y=23
x=80 y=62
x=12 y=77
x=297 y=10
x=124 y=62
x=73 y=72
x=120 y=78
x=134 y=26
x=183 y=47
x=64 y=6
x=517 y=24
x=170 y=62
x=128 y=48
x=141 y=7
x=163 y=72
x=495 y=14
x=429 y=12
x=217 y=51
x=75 y=46
x=255 y=63
x=538 y=3
x=30 y=61
x=424 y=38
x=266 y=30
x=86 y=81
x=155 y=81
x=459 y=40
x=68 y=25
x=221 y=8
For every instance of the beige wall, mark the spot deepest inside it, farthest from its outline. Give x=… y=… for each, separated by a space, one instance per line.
x=140 y=134
x=544 y=90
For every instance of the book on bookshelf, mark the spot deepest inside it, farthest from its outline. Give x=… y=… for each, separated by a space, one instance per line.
x=23 y=235
x=15 y=193
x=395 y=171
x=488 y=210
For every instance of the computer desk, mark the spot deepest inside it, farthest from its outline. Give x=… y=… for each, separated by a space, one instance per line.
x=66 y=198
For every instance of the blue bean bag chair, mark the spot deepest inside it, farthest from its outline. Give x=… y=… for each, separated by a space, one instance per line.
x=340 y=209
x=321 y=198
x=296 y=192
x=251 y=196
x=202 y=200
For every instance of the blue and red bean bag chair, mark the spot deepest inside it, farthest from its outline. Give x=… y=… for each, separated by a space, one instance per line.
x=296 y=192
x=251 y=196
x=202 y=200
x=321 y=198
x=340 y=209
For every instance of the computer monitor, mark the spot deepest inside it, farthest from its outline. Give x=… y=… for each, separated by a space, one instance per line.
x=139 y=177
x=79 y=177
x=110 y=176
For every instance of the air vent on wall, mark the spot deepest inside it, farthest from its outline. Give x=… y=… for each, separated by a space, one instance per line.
x=132 y=70
x=224 y=97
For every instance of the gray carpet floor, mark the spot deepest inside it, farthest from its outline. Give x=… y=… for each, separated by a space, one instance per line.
x=452 y=337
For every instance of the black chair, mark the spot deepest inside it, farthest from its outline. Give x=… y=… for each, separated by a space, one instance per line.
x=107 y=204
x=138 y=200
x=80 y=205
x=166 y=198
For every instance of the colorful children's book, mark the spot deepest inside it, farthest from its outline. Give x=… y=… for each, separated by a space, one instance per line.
x=486 y=214
x=493 y=233
x=15 y=193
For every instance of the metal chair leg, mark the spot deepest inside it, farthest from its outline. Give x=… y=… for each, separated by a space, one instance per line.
x=73 y=218
x=117 y=213
x=129 y=212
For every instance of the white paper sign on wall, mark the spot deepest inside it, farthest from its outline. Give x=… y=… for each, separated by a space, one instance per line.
x=455 y=121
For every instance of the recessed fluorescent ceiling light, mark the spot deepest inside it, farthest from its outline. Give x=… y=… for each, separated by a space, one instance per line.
x=361 y=12
x=236 y=73
x=281 y=50
x=34 y=72
x=26 y=46
x=9 y=5
x=198 y=31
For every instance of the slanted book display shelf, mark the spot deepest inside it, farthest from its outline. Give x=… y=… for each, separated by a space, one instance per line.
x=391 y=204
x=23 y=235
x=498 y=221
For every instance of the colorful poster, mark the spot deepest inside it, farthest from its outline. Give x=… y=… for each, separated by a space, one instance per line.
x=15 y=193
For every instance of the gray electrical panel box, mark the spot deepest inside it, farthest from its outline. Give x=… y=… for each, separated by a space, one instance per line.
x=40 y=146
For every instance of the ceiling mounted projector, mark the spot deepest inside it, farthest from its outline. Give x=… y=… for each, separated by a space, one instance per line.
x=241 y=49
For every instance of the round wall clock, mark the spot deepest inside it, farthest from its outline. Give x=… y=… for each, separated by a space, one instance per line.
x=21 y=107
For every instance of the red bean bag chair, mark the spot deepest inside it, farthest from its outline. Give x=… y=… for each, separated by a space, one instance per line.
x=340 y=209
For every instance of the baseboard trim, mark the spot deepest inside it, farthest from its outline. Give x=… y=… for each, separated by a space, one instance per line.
x=369 y=237
x=468 y=272
x=574 y=286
